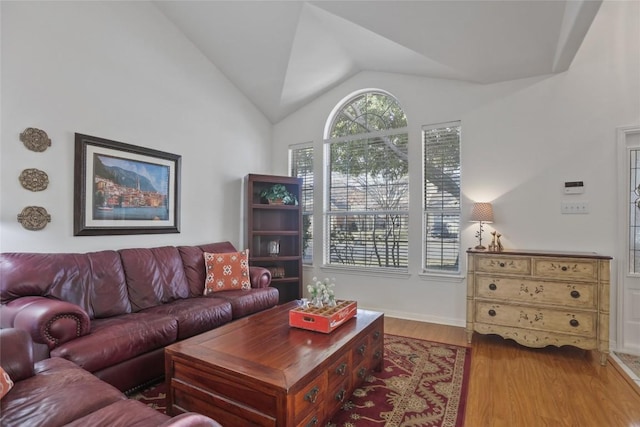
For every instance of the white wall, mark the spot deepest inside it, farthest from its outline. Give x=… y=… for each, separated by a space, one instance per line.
x=521 y=140
x=120 y=71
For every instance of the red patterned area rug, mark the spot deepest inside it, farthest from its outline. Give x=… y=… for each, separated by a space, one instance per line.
x=423 y=383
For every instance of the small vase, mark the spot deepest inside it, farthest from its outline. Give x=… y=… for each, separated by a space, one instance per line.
x=317 y=302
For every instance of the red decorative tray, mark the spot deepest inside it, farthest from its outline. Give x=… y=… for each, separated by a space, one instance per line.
x=325 y=319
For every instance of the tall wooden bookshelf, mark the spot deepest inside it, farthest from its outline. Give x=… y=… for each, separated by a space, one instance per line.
x=276 y=224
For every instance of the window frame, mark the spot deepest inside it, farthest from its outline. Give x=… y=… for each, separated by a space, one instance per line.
x=426 y=211
x=328 y=213
x=308 y=261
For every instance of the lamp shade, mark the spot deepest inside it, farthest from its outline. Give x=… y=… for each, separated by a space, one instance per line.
x=482 y=212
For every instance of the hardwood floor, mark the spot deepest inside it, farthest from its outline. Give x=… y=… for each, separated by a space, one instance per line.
x=515 y=386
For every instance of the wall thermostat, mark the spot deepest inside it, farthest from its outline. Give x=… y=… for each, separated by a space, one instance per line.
x=574 y=187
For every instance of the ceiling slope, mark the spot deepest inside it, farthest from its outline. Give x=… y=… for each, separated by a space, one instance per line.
x=284 y=54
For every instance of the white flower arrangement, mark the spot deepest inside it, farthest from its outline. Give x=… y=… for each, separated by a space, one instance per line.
x=321 y=292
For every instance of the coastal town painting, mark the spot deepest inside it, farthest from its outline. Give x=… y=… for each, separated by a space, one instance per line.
x=124 y=189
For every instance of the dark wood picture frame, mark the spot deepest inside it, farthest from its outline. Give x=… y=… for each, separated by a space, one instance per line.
x=124 y=189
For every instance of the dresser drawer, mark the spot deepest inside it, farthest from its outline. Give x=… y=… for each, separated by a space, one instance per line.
x=311 y=398
x=543 y=319
x=566 y=268
x=531 y=291
x=503 y=264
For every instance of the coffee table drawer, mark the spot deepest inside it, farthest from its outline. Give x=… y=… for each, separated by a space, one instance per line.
x=310 y=398
x=340 y=370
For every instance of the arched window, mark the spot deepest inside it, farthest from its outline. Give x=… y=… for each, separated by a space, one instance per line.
x=367 y=204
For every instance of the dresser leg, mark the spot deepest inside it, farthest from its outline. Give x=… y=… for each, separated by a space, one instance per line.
x=603 y=358
x=469 y=336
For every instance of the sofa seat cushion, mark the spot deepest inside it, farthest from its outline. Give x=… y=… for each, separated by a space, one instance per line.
x=248 y=302
x=119 y=338
x=195 y=315
x=59 y=393
x=123 y=413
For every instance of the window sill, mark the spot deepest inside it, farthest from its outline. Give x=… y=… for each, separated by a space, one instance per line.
x=374 y=272
x=453 y=278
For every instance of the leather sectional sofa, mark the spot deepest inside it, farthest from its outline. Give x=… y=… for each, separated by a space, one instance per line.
x=58 y=392
x=113 y=312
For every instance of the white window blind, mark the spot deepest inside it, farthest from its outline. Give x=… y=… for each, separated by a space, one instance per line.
x=441 y=201
x=301 y=166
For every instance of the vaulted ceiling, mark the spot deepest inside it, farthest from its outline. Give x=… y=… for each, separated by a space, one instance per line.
x=284 y=54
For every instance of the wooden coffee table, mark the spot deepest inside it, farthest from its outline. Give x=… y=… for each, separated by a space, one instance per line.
x=259 y=371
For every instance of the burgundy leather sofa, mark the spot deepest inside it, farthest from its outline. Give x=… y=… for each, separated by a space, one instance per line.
x=56 y=392
x=113 y=312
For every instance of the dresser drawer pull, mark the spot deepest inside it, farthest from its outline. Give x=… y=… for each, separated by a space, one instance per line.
x=574 y=323
x=377 y=355
x=493 y=286
x=501 y=264
x=312 y=395
x=362 y=372
x=341 y=395
x=575 y=294
x=564 y=268
x=362 y=349
x=376 y=335
x=312 y=422
x=342 y=369
x=492 y=312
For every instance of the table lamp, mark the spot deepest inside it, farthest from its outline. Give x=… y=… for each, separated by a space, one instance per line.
x=481 y=212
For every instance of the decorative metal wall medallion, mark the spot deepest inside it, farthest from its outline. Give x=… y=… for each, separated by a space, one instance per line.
x=34 y=179
x=34 y=218
x=35 y=139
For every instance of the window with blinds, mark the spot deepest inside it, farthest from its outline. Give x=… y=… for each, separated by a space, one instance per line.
x=301 y=166
x=441 y=201
x=367 y=204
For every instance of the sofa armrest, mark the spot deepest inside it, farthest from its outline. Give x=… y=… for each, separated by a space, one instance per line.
x=16 y=353
x=48 y=321
x=260 y=277
x=190 y=419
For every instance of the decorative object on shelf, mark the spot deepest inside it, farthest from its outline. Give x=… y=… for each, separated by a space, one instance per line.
x=124 y=189
x=322 y=293
x=276 y=272
x=34 y=218
x=35 y=139
x=34 y=179
x=278 y=194
x=322 y=319
x=273 y=248
x=481 y=212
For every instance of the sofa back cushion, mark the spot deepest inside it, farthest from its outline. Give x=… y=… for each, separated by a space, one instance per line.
x=94 y=281
x=194 y=265
x=154 y=276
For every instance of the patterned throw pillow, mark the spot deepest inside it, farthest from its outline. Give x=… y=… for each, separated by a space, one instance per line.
x=5 y=382
x=226 y=271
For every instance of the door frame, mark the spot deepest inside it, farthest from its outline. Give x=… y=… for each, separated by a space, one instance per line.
x=622 y=135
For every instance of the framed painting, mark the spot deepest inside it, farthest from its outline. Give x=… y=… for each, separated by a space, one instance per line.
x=124 y=189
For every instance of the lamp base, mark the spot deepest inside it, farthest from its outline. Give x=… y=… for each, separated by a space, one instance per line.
x=480 y=248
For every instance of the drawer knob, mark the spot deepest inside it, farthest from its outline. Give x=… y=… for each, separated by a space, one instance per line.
x=377 y=355
x=492 y=312
x=493 y=286
x=312 y=395
x=362 y=372
x=502 y=264
x=575 y=294
x=564 y=268
x=362 y=349
x=342 y=369
x=574 y=322
x=312 y=422
x=376 y=335
x=341 y=395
